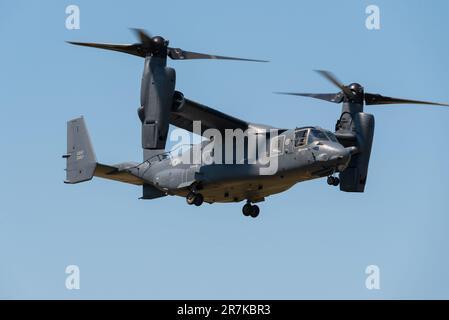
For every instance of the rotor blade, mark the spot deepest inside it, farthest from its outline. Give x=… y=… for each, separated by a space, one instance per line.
x=179 y=54
x=375 y=99
x=125 y=48
x=331 y=97
x=332 y=78
x=143 y=36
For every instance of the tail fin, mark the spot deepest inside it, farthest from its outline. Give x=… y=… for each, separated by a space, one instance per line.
x=81 y=160
x=82 y=163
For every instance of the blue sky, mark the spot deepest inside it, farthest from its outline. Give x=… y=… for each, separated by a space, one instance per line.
x=310 y=242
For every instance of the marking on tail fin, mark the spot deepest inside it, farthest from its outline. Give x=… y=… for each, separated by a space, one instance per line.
x=80 y=155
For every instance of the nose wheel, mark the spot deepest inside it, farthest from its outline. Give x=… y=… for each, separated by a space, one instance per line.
x=333 y=181
x=250 y=210
x=195 y=198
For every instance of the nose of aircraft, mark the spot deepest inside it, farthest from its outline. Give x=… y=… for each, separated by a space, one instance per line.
x=342 y=156
x=334 y=154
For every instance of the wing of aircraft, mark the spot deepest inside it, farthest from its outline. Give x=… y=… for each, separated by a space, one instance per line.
x=210 y=118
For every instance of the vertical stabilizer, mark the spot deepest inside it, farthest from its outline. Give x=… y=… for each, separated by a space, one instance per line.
x=81 y=160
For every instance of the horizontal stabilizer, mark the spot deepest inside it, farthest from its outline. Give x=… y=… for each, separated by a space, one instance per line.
x=117 y=174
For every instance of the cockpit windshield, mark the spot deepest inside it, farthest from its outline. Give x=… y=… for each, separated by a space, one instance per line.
x=308 y=135
x=317 y=135
x=331 y=136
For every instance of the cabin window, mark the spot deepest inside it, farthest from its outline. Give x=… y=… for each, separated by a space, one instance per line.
x=277 y=145
x=301 y=138
x=163 y=156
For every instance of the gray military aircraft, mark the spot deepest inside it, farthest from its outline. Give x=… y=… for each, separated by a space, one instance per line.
x=298 y=154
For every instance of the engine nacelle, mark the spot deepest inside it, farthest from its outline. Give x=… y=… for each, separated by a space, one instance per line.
x=158 y=85
x=353 y=179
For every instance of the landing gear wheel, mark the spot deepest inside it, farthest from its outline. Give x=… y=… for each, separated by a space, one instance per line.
x=336 y=182
x=190 y=198
x=199 y=199
x=254 y=211
x=331 y=180
x=247 y=209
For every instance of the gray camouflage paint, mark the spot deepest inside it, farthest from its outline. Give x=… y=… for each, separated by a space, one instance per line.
x=216 y=182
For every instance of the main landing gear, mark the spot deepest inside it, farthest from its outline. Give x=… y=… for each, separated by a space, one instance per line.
x=250 y=210
x=333 y=181
x=195 y=198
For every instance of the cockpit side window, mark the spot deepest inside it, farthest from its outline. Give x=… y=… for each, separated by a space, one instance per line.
x=301 y=138
x=317 y=135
